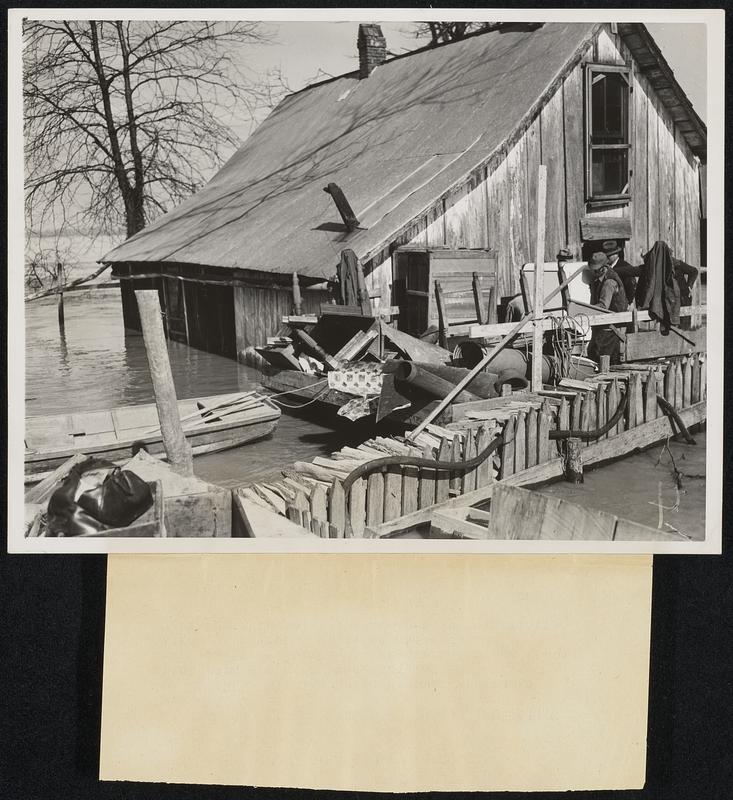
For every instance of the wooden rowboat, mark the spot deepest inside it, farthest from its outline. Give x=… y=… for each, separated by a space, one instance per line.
x=211 y=424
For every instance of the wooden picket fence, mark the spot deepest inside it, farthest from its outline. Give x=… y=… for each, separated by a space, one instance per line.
x=311 y=494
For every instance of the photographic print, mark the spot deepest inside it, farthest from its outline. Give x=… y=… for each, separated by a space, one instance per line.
x=355 y=285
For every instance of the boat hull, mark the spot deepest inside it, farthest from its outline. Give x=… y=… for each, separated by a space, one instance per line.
x=212 y=437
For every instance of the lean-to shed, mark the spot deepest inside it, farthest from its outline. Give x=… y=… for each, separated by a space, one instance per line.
x=434 y=149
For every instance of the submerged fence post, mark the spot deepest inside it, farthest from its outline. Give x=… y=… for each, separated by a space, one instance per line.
x=574 y=461
x=60 y=279
x=176 y=446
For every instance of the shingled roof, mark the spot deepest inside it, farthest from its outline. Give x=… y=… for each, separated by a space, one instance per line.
x=394 y=142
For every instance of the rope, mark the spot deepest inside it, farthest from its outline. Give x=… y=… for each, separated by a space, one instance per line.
x=300 y=405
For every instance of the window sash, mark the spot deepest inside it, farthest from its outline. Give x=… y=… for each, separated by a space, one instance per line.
x=595 y=72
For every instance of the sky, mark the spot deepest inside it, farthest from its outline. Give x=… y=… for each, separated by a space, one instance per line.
x=304 y=48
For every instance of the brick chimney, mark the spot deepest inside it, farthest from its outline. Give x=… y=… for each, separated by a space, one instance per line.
x=372 y=48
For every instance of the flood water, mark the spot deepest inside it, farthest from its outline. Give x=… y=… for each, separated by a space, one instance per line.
x=97 y=365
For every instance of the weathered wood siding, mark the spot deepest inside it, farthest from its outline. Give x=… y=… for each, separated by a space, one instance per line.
x=258 y=312
x=496 y=206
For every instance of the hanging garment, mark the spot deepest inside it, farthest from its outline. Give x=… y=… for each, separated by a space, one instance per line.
x=661 y=292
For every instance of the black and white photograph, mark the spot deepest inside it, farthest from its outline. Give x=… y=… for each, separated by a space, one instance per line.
x=348 y=285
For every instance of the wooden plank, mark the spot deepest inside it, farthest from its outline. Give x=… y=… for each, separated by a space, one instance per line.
x=678 y=384
x=538 y=299
x=485 y=471
x=517 y=225
x=553 y=155
x=686 y=383
x=356 y=519
x=442 y=315
x=318 y=504
x=638 y=204
x=638 y=398
x=520 y=442
x=260 y=523
x=595 y=228
x=585 y=412
x=576 y=412
x=454 y=484
x=650 y=397
x=531 y=440
x=695 y=388
x=574 y=156
x=337 y=508
x=592 y=402
x=703 y=378
x=426 y=489
x=653 y=124
x=549 y=324
x=666 y=158
x=452 y=524
x=415 y=349
x=522 y=514
x=652 y=344
x=543 y=436
x=393 y=493
x=508 y=448
x=563 y=416
x=375 y=499
x=468 y=483
x=601 y=409
x=410 y=489
x=443 y=476
x=679 y=200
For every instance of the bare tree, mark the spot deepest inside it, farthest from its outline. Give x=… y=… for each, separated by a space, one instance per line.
x=123 y=119
x=443 y=32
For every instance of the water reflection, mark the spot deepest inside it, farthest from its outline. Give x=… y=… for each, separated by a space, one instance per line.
x=95 y=364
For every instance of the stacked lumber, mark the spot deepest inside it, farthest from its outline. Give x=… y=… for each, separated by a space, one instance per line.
x=311 y=494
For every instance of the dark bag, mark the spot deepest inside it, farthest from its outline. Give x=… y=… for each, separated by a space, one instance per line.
x=119 y=501
x=64 y=516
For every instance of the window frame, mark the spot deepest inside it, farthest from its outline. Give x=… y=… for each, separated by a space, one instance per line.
x=592 y=69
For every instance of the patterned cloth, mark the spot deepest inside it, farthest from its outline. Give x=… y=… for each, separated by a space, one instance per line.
x=357 y=408
x=360 y=379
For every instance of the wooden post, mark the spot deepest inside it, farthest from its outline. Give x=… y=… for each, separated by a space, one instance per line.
x=442 y=316
x=59 y=283
x=478 y=299
x=297 y=299
x=574 y=461
x=176 y=446
x=539 y=260
x=605 y=365
x=492 y=310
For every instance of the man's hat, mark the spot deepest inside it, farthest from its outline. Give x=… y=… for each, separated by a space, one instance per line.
x=564 y=254
x=598 y=261
x=610 y=247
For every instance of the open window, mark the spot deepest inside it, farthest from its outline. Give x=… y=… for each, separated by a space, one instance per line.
x=608 y=145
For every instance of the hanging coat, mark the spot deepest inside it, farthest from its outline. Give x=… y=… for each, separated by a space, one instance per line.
x=660 y=292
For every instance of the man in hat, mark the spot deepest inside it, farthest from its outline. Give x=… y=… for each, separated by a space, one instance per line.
x=606 y=291
x=625 y=271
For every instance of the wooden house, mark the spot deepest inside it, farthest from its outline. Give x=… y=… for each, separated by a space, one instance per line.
x=436 y=150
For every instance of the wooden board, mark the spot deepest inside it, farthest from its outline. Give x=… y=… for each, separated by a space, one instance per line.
x=594 y=228
x=522 y=514
x=255 y=521
x=652 y=344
